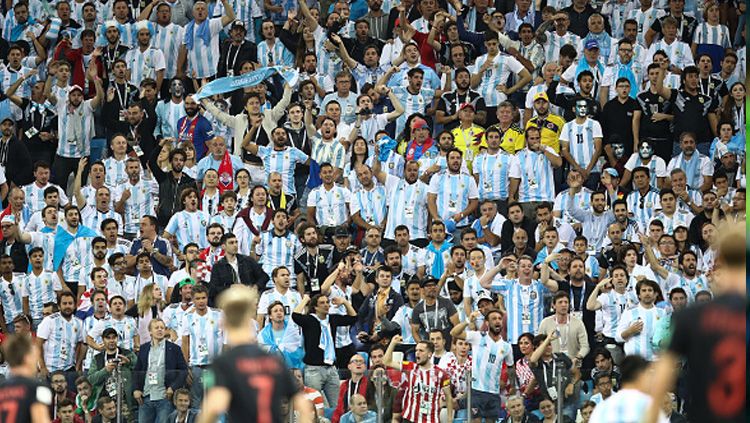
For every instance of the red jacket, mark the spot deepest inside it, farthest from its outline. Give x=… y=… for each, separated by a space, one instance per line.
x=78 y=71
x=342 y=408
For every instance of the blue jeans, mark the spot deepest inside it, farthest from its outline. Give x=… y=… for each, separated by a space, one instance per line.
x=196 y=391
x=155 y=411
x=324 y=379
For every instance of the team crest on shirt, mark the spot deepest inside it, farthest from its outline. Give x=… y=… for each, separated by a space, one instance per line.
x=649 y=205
x=701 y=100
x=203 y=222
x=390 y=166
x=499 y=164
x=286 y=156
x=289 y=243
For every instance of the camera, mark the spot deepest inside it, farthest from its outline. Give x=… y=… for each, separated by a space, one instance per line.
x=364 y=112
x=117 y=360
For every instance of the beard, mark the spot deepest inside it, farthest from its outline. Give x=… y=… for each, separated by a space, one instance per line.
x=191 y=112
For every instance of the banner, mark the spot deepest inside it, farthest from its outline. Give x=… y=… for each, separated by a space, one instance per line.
x=231 y=83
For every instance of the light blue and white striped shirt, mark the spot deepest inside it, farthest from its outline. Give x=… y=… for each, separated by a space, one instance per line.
x=61 y=338
x=407 y=205
x=11 y=297
x=534 y=170
x=126 y=328
x=284 y=162
x=555 y=42
x=706 y=33
x=144 y=64
x=329 y=62
x=35 y=196
x=371 y=204
x=581 y=141
x=644 y=20
x=643 y=207
x=328 y=152
x=115 y=171
x=525 y=305
x=204 y=59
x=277 y=251
x=274 y=55
x=613 y=305
x=140 y=203
x=582 y=197
x=205 y=334
x=493 y=175
x=640 y=343
x=330 y=206
x=453 y=194
x=487 y=361
x=80 y=145
x=412 y=103
x=189 y=227
x=679 y=53
x=40 y=289
x=168 y=39
x=497 y=74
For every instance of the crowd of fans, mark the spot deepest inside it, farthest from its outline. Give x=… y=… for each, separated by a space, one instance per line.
x=446 y=201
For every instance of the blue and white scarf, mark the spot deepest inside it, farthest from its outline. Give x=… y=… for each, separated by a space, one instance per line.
x=326 y=341
x=203 y=32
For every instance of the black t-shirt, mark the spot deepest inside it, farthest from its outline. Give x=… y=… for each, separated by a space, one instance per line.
x=651 y=103
x=451 y=101
x=315 y=268
x=712 y=338
x=426 y=317
x=17 y=395
x=685 y=27
x=691 y=114
x=258 y=382
x=617 y=118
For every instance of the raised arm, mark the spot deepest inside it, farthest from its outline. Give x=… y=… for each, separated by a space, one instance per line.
x=539 y=351
x=80 y=199
x=593 y=304
x=398 y=108
x=546 y=280
x=11 y=93
x=651 y=257
x=309 y=125
x=310 y=21
x=94 y=74
x=228 y=13
x=388 y=357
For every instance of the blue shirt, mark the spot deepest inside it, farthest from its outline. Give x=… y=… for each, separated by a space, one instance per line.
x=161 y=245
x=198 y=135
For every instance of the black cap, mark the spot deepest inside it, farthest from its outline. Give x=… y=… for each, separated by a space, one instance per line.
x=106 y=333
x=238 y=23
x=8 y=118
x=341 y=231
x=351 y=250
x=429 y=280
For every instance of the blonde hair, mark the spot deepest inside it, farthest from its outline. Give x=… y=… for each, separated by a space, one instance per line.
x=240 y=303
x=145 y=299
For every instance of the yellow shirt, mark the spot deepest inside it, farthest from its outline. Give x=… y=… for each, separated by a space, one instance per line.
x=551 y=127
x=465 y=140
x=512 y=139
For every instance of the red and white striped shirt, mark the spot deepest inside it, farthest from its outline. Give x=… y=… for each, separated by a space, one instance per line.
x=423 y=388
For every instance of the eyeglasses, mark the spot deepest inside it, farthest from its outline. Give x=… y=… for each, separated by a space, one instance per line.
x=626 y=50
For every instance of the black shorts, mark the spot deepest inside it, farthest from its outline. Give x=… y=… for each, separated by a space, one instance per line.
x=485 y=404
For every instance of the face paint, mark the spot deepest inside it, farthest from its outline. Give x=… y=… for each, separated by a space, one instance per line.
x=646 y=151
x=618 y=150
x=176 y=88
x=582 y=108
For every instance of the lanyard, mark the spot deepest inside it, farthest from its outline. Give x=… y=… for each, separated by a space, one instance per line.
x=572 y=298
x=544 y=372
x=427 y=322
x=120 y=98
x=234 y=59
x=315 y=260
x=111 y=57
x=525 y=297
x=349 y=393
x=42 y=113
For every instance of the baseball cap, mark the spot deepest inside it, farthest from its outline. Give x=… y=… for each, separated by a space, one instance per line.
x=591 y=44
x=238 y=23
x=340 y=232
x=186 y=281
x=466 y=106
x=419 y=123
x=9 y=119
x=484 y=296
x=106 y=333
x=351 y=250
x=541 y=95
x=74 y=88
x=429 y=280
x=8 y=218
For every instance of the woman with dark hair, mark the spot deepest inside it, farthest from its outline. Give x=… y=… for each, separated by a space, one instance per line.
x=526 y=382
x=255 y=218
x=359 y=155
x=244 y=193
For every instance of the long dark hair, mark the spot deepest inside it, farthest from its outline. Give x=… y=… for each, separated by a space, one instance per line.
x=353 y=156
